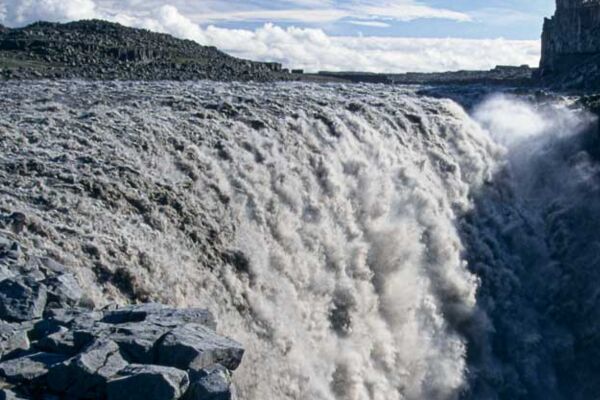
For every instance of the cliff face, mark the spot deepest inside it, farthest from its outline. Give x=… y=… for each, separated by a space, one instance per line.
x=571 y=37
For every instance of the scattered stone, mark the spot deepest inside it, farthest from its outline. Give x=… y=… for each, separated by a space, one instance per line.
x=63 y=290
x=30 y=367
x=61 y=342
x=211 y=384
x=148 y=382
x=87 y=373
x=52 y=348
x=21 y=299
x=13 y=337
x=196 y=347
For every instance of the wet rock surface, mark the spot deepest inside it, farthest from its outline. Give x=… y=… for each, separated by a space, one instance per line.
x=571 y=46
x=52 y=345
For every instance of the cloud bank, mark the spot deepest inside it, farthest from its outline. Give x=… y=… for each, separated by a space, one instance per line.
x=308 y=48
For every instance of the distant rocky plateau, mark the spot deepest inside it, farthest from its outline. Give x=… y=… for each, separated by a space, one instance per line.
x=100 y=50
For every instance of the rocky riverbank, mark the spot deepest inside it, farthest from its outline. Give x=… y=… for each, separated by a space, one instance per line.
x=55 y=344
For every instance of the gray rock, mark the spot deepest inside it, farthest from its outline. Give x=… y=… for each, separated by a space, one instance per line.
x=49 y=266
x=137 y=340
x=30 y=367
x=13 y=337
x=196 y=347
x=7 y=394
x=63 y=290
x=43 y=328
x=61 y=342
x=10 y=251
x=75 y=318
x=134 y=313
x=211 y=384
x=175 y=317
x=148 y=382
x=160 y=314
x=21 y=299
x=86 y=374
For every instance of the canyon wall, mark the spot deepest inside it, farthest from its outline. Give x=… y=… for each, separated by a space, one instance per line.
x=571 y=37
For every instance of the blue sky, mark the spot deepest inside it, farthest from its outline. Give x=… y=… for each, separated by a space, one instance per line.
x=512 y=19
x=366 y=35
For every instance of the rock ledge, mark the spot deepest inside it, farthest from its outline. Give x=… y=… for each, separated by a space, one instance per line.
x=53 y=344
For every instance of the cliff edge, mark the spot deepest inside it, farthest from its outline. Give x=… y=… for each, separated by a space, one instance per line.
x=571 y=45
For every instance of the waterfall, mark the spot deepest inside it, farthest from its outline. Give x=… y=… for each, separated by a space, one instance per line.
x=362 y=242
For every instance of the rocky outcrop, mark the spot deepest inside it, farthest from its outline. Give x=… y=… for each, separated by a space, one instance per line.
x=53 y=342
x=102 y=50
x=571 y=45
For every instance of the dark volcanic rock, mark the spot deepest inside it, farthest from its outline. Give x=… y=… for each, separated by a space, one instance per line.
x=212 y=384
x=148 y=382
x=21 y=299
x=571 y=45
x=63 y=290
x=13 y=337
x=113 y=353
x=195 y=347
x=101 y=50
x=86 y=374
x=29 y=368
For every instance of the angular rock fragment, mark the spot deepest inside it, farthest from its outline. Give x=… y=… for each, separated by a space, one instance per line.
x=137 y=340
x=86 y=374
x=148 y=382
x=195 y=347
x=210 y=384
x=21 y=299
x=10 y=251
x=160 y=314
x=13 y=337
x=61 y=342
x=49 y=266
x=29 y=368
x=74 y=318
x=63 y=290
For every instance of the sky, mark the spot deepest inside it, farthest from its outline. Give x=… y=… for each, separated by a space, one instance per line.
x=340 y=35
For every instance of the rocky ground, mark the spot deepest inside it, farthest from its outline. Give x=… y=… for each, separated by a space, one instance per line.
x=55 y=344
x=102 y=50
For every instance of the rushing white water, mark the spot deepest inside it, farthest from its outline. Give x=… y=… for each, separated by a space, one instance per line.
x=344 y=234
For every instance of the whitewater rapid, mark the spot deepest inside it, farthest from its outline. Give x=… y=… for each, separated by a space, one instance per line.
x=362 y=242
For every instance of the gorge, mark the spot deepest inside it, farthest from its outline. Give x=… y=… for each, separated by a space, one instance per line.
x=260 y=235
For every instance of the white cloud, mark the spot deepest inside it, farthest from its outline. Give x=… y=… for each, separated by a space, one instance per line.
x=310 y=49
x=407 y=11
x=20 y=12
x=402 y=10
x=373 y=24
x=313 y=50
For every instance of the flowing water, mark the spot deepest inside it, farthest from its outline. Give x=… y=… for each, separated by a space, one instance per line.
x=362 y=242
